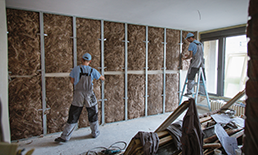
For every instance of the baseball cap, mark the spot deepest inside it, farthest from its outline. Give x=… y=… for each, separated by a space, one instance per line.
x=86 y=56
x=189 y=35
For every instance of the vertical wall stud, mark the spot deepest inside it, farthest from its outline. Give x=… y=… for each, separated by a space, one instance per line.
x=74 y=42
x=180 y=62
x=126 y=74
x=102 y=73
x=164 y=73
x=43 y=80
x=146 y=73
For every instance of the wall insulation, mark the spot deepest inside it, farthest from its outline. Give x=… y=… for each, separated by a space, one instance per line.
x=155 y=48
x=114 y=93
x=59 y=94
x=23 y=42
x=58 y=43
x=24 y=107
x=88 y=35
x=136 y=47
x=136 y=88
x=24 y=62
x=172 y=101
x=114 y=46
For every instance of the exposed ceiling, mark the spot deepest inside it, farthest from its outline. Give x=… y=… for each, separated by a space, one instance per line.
x=192 y=15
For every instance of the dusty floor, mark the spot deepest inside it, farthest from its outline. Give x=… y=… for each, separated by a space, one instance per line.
x=81 y=140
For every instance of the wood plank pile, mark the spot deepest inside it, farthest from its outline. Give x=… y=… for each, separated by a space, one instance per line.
x=211 y=142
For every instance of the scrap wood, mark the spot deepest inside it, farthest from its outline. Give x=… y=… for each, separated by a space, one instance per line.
x=214 y=137
x=211 y=145
x=205 y=119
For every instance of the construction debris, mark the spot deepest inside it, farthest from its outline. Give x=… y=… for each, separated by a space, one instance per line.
x=218 y=131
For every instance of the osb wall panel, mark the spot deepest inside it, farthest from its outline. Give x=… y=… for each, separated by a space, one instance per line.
x=114 y=93
x=83 y=120
x=136 y=47
x=172 y=81
x=155 y=48
x=24 y=105
x=136 y=93
x=58 y=43
x=172 y=49
x=186 y=63
x=114 y=46
x=59 y=95
x=155 y=86
x=23 y=42
x=88 y=35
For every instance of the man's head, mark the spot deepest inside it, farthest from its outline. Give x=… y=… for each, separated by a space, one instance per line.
x=86 y=57
x=190 y=37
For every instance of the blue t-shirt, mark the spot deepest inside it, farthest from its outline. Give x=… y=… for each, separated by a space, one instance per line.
x=193 y=47
x=75 y=73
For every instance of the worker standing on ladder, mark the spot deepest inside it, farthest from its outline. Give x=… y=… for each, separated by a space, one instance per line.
x=196 y=53
x=82 y=77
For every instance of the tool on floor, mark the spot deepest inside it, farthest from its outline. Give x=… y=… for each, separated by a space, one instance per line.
x=196 y=93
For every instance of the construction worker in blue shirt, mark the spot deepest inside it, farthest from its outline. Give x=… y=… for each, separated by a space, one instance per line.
x=82 y=77
x=197 y=60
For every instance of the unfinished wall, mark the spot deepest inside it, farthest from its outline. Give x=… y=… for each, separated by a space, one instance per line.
x=155 y=89
x=172 y=101
x=24 y=59
x=172 y=49
x=136 y=93
x=114 y=93
x=58 y=43
x=23 y=42
x=24 y=107
x=114 y=46
x=136 y=47
x=59 y=94
x=88 y=35
x=155 y=48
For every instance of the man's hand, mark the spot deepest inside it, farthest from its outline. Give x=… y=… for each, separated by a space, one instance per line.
x=102 y=78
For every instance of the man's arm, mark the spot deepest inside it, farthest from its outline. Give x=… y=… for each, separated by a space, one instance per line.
x=72 y=80
x=102 y=78
x=188 y=56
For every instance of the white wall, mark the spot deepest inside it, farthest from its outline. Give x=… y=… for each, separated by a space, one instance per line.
x=4 y=72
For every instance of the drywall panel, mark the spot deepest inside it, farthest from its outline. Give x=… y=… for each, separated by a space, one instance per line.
x=136 y=47
x=59 y=95
x=88 y=35
x=172 y=49
x=114 y=46
x=172 y=82
x=114 y=93
x=23 y=42
x=58 y=43
x=136 y=93
x=155 y=89
x=155 y=48
x=83 y=120
x=186 y=63
x=24 y=107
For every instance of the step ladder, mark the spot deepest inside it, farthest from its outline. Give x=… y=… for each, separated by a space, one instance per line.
x=195 y=94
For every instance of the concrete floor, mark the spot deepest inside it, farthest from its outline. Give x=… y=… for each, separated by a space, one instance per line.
x=81 y=140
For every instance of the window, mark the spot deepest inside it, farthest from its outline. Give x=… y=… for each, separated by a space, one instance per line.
x=225 y=54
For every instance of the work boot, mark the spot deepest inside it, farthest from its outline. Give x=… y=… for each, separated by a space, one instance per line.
x=94 y=126
x=59 y=139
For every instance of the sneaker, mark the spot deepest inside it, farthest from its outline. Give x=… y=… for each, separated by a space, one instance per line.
x=186 y=94
x=59 y=139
